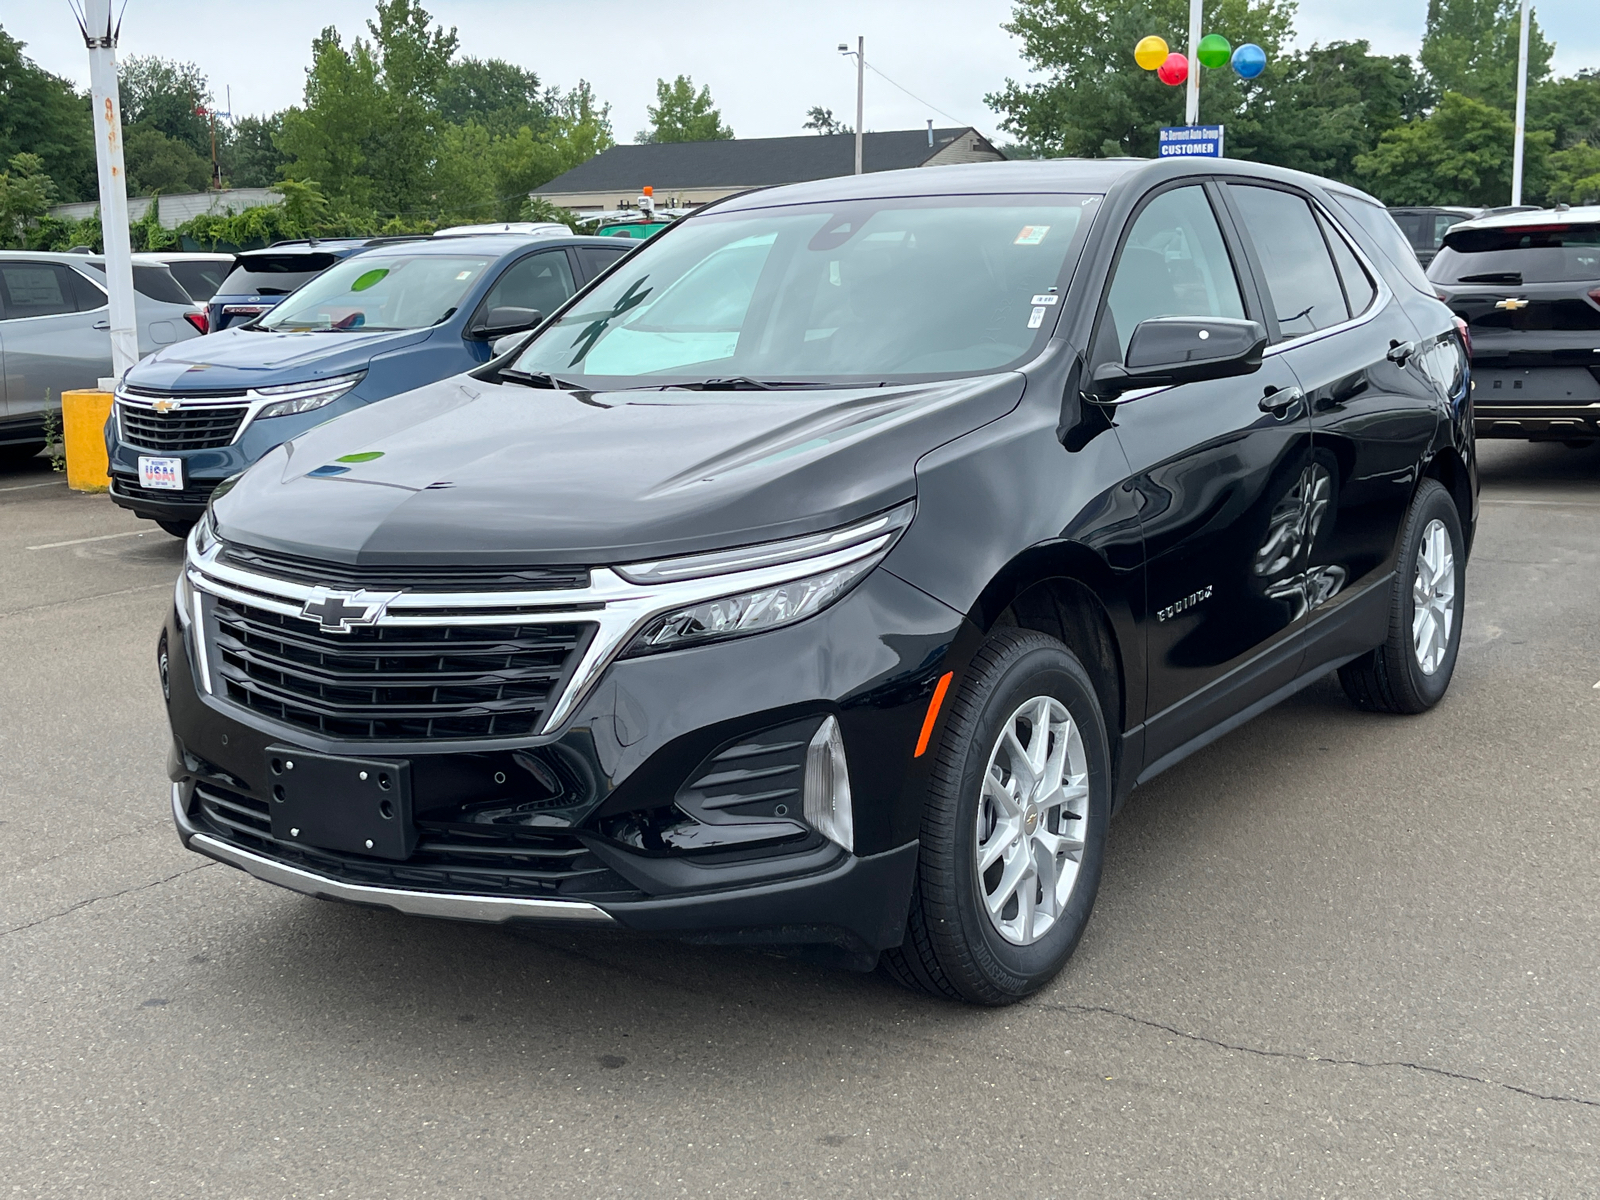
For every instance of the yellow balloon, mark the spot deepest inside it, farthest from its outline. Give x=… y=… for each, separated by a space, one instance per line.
x=1150 y=53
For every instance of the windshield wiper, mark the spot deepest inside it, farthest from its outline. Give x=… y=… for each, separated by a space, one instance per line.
x=742 y=383
x=536 y=379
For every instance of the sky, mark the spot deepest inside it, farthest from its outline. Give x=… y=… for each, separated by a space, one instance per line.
x=766 y=63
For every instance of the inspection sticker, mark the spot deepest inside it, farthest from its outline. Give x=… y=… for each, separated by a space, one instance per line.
x=1037 y=319
x=1031 y=235
x=1045 y=299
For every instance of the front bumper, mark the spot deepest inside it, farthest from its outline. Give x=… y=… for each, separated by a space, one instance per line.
x=641 y=737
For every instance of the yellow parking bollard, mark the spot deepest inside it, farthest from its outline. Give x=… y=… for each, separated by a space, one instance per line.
x=83 y=424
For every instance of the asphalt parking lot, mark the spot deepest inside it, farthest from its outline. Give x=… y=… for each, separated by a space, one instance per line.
x=1335 y=954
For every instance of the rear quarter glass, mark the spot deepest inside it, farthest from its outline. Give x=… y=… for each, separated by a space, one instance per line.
x=1374 y=220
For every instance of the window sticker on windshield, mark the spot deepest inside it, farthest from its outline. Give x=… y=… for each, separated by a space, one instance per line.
x=1046 y=298
x=1037 y=319
x=1031 y=235
x=463 y=274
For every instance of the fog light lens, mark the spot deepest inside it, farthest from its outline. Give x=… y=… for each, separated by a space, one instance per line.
x=827 y=790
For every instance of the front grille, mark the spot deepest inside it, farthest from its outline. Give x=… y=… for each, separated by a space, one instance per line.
x=395 y=682
x=420 y=578
x=182 y=429
x=195 y=491
x=448 y=858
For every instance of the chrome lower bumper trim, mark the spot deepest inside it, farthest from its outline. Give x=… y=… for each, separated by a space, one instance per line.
x=492 y=909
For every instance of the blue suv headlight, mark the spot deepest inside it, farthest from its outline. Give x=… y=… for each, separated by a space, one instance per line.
x=304 y=397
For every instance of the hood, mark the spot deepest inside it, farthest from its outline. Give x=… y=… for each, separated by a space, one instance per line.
x=465 y=470
x=241 y=358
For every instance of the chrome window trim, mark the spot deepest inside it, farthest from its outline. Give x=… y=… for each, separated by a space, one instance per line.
x=618 y=609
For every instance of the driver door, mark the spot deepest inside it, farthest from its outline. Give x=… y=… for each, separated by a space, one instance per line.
x=1216 y=468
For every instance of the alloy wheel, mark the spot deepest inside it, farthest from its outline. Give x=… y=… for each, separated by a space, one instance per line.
x=1031 y=822
x=1433 y=595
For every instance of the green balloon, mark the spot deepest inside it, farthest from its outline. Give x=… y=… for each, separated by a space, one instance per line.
x=1214 y=51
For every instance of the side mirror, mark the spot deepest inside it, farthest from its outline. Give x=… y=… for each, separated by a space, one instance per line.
x=507 y=343
x=498 y=322
x=1170 y=350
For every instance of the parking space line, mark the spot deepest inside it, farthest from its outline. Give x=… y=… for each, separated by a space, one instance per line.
x=22 y=487
x=1549 y=503
x=104 y=537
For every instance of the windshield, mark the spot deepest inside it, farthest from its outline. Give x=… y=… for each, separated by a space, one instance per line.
x=385 y=292
x=856 y=291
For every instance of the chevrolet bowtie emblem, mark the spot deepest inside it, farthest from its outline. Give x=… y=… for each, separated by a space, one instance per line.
x=339 y=612
x=166 y=406
x=1511 y=304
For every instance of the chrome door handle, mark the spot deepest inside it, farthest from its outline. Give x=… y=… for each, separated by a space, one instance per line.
x=1280 y=400
x=1399 y=352
x=101 y=325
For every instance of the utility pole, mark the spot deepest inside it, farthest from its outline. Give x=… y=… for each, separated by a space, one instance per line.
x=100 y=36
x=1522 y=109
x=861 y=81
x=1191 y=110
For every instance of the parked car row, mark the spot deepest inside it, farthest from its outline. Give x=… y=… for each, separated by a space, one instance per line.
x=825 y=571
x=340 y=327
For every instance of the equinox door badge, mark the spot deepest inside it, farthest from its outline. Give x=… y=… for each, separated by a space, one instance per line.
x=1188 y=602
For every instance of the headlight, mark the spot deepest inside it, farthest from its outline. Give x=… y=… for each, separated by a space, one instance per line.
x=304 y=397
x=825 y=567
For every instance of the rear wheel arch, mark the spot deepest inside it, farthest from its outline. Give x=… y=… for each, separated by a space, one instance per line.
x=1448 y=467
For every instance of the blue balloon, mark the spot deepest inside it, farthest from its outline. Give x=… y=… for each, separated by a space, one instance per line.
x=1249 y=60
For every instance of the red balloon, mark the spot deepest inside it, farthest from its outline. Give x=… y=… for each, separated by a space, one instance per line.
x=1174 y=71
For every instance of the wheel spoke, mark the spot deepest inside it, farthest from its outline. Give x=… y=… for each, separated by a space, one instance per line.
x=1021 y=765
x=1017 y=867
x=1001 y=794
x=1000 y=841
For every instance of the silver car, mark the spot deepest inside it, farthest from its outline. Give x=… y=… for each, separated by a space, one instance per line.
x=54 y=333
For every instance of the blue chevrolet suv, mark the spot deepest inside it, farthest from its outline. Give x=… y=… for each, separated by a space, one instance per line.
x=385 y=320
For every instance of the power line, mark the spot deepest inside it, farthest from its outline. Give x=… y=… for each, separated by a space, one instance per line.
x=916 y=97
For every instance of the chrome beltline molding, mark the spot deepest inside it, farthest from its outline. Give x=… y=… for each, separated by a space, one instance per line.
x=617 y=608
x=491 y=909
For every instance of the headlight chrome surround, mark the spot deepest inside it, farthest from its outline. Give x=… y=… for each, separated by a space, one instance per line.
x=824 y=567
x=306 y=397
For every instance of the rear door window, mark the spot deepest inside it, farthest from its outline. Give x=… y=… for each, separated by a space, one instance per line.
x=594 y=259
x=542 y=282
x=1173 y=264
x=36 y=289
x=153 y=281
x=274 y=274
x=1302 y=285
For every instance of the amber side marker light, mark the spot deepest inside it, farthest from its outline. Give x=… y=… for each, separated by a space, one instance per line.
x=933 y=713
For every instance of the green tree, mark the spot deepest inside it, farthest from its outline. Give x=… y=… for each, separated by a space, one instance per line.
x=680 y=114
x=821 y=120
x=333 y=138
x=158 y=163
x=1322 y=108
x=44 y=115
x=250 y=154
x=500 y=96
x=580 y=127
x=26 y=194
x=162 y=94
x=1470 y=47
x=1459 y=154
x=1093 y=99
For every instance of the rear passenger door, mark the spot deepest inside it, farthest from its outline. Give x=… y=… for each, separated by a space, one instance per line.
x=1373 y=412
x=1215 y=466
x=52 y=343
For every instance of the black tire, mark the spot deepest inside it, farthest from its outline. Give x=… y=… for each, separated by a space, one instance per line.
x=952 y=948
x=17 y=453
x=178 y=529
x=1390 y=678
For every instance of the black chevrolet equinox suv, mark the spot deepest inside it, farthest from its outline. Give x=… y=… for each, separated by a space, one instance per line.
x=828 y=571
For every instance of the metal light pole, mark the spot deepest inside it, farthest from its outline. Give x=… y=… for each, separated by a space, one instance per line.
x=100 y=36
x=1191 y=111
x=1522 y=109
x=861 y=86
